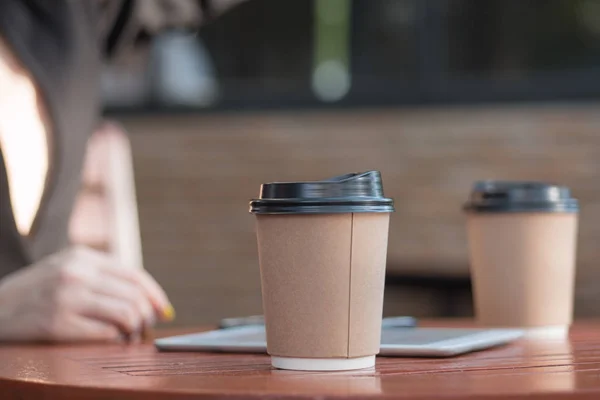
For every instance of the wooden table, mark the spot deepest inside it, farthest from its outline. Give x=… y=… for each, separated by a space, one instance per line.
x=535 y=370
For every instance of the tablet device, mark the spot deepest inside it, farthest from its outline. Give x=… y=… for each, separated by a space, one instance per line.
x=418 y=342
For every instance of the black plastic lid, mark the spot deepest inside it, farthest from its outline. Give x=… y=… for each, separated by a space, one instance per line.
x=351 y=193
x=517 y=196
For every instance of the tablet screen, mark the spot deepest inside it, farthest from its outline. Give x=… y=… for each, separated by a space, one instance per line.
x=395 y=341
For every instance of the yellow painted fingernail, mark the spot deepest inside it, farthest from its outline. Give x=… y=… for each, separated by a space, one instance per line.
x=169 y=313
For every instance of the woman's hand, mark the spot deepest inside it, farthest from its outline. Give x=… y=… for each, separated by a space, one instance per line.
x=78 y=295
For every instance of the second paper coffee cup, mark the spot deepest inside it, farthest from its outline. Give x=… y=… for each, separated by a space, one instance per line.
x=522 y=240
x=322 y=249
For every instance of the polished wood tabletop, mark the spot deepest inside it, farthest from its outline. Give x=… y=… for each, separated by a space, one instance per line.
x=544 y=369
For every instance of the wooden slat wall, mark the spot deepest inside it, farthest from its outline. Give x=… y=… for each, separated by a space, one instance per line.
x=195 y=175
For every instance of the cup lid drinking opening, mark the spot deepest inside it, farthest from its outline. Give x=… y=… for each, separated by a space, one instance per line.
x=350 y=193
x=520 y=196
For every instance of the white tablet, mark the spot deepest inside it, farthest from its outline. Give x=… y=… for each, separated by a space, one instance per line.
x=422 y=342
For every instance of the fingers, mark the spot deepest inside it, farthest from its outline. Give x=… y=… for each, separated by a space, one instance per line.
x=153 y=291
x=82 y=328
x=66 y=326
x=127 y=291
x=111 y=310
x=78 y=294
x=136 y=276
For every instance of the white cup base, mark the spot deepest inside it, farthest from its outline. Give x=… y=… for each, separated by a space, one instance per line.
x=547 y=332
x=322 y=364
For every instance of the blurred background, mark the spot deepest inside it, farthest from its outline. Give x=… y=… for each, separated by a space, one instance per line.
x=433 y=93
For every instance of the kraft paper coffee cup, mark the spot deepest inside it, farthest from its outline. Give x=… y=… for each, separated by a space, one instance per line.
x=522 y=243
x=322 y=250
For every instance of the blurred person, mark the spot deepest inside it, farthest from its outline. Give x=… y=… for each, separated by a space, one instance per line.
x=51 y=52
